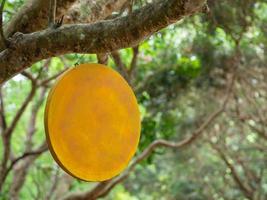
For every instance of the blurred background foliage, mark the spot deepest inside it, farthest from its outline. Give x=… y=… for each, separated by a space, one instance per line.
x=180 y=78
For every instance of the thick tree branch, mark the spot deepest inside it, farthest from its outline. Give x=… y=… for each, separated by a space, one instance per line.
x=33 y=16
x=101 y=37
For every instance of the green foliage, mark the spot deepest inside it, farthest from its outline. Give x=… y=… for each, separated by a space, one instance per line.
x=180 y=78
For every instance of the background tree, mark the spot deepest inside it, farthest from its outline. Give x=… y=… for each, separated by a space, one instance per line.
x=200 y=83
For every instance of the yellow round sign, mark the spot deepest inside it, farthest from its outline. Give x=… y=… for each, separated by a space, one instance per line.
x=92 y=122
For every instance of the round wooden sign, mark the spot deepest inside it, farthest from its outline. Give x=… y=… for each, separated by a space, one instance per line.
x=92 y=122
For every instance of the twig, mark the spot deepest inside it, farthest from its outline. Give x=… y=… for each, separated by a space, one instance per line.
x=133 y=62
x=119 y=64
x=54 y=184
x=28 y=76
x=19 y=113
x=102 y=58
x=52 y=22
x=243 y=187
x=41 y=149
x=2 y=111
x=52 y=12
x=5 y=41
x=6 y=136
x=40 y=71
x=46 y=81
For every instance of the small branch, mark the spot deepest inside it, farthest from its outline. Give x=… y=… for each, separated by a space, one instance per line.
x=120 y=65
x=6 y=136
x=52 y=22
x=46 y=81
x=133 y=64
x=32 y=120
x=102 y=58
x=19 y=113
x=248 y=192
x=261 y=133
x=40 y=71
x=134 y=59
x=20 y=172
x=41 y=149
x=2 y=111
x=64 y=62
x=52 y=12
x=251 y=176
x=4 y=40
x=28 y=76
x=55 y=180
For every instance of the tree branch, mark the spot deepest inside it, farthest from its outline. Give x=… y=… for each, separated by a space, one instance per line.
x=20 y=171
x=20 y=111
x=102 y=58
x=3 y=123
x=48 y=80
x=41 y=149
x=6 y=135
x=119 y=64
x=100 y=37
x=33 y=16
x=248 y=192
x=134 y=60
x=3 y=38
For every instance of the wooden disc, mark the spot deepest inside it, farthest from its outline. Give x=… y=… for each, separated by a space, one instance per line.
x=92 y=122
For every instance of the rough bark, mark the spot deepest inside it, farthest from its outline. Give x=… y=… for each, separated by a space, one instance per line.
x=33 y=16
x=100 y=37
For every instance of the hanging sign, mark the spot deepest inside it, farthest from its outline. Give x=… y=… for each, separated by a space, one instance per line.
x=92 y=122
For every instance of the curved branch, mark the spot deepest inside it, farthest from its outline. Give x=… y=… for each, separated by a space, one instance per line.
x=101 y=37
x=41 y=149
x=245 y=188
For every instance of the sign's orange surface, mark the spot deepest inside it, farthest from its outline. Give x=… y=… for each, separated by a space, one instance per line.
x=92 y=122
